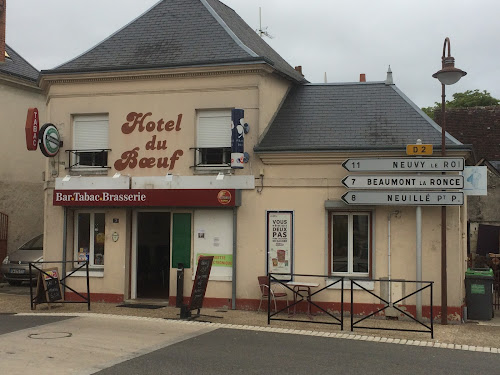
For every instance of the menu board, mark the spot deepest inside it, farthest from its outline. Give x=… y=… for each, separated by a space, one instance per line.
x=200 y=282
x=48 y=286
x=280 y=243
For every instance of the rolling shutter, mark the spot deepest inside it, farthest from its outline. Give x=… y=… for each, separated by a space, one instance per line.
x=214 y=129
x=90 y=132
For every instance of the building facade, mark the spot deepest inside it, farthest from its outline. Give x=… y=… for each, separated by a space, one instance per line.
x=218 y=146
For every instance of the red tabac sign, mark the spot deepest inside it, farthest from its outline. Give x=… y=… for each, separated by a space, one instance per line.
x=146 y=197
x=32 y=127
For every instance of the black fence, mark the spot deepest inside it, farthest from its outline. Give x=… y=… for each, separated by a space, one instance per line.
x=389 y=304
x=36 y=273
x=305 y=291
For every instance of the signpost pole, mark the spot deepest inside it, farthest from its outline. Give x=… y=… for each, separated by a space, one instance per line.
x=418 y=243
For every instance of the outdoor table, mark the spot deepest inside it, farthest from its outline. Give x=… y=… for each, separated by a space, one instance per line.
x=302 y=286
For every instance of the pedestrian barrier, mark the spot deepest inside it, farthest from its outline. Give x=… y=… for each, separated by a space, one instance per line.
x=49 y=284
x=303 y=291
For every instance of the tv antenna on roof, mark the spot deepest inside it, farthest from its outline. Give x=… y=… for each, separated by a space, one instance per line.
x=262 y=31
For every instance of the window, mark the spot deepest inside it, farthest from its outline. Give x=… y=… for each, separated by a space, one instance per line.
x=350 y=237
x=213 y=139
x=90 y=234
x=90 y=142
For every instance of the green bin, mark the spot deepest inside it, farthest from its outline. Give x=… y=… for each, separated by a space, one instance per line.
x=479 y=293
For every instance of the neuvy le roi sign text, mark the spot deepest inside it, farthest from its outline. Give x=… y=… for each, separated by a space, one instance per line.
x=428 y=164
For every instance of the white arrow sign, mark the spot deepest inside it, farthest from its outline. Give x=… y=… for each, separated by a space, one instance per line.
x=427 y=164
x=404 y=182
x=404 y=198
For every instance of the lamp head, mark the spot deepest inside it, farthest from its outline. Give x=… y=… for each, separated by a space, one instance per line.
x=449 y=75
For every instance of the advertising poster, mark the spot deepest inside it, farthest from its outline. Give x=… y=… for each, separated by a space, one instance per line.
x=280 y=243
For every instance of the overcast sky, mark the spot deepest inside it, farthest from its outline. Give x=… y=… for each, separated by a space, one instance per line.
x=342 y=38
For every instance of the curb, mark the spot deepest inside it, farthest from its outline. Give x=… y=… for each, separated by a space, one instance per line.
x=346 y=336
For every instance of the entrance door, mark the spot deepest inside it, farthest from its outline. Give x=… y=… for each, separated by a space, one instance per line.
x=153 y=254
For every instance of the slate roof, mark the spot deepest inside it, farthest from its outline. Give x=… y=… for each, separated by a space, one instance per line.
x=18 y=67
x=350 y=116
x=180 y=33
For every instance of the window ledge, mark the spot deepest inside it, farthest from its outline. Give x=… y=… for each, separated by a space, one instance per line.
x=92 y=273
x=368 y=284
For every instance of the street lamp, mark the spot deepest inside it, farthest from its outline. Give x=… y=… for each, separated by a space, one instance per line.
x=448 y=75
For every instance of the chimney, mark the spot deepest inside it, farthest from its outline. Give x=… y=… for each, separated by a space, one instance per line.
x=297 y=68
x=362 y=77
x=3 y=7
x=388 y=80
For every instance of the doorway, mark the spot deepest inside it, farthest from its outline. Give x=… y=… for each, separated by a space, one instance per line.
x=153 y=254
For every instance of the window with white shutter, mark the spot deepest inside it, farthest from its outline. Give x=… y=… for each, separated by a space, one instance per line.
x=90 y=141
x=213 y=138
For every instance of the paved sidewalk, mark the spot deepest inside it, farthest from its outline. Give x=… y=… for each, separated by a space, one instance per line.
x=468 y=336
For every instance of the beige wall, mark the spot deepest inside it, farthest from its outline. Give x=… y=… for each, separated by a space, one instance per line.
x=299 y=183
x=21 y=183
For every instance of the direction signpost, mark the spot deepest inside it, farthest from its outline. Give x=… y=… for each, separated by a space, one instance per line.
x=404 y=198
x=404 y=182
x=408 y=164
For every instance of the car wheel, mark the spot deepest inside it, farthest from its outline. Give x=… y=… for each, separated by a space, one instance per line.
x=14 y=282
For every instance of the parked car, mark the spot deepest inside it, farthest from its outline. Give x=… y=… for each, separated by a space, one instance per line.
x=15 y=266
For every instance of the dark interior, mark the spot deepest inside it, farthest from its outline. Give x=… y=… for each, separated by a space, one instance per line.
x=153 y=255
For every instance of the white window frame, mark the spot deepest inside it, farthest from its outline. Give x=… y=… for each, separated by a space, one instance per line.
x=350 y=262
x=100 y=134
x=91 y=238
x=211 y=138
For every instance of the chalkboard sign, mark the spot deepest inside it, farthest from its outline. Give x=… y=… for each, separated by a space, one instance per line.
x=48 y=287
x=200 y=282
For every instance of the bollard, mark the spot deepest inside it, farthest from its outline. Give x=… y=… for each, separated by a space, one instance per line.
x=180 y=285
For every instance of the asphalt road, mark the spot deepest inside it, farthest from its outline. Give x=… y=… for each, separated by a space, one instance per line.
x=226 y=351
x=109 y=345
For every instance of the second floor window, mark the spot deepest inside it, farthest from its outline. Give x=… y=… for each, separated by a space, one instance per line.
x=213 y=138
x=90 y=141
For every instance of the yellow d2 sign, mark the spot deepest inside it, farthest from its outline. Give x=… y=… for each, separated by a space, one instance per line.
x=418 y=149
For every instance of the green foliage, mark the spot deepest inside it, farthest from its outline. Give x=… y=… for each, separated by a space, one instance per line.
x=469 y=98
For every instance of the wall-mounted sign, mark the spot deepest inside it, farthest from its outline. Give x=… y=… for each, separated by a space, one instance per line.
x=280 y=243
x=237 y=138
x=115 y=236
x=138 y=123
x=31 y=129
x=146 y=197
x=49 y=140
x=419 y=150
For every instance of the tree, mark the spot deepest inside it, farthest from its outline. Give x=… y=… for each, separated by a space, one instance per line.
x=469 y=98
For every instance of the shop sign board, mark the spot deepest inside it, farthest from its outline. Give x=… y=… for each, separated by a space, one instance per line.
x=280 y=243
x=200 y=282
x=404 y=182
x=146 y=197
x=404 y=198
x=428 y=164
x=31 y=129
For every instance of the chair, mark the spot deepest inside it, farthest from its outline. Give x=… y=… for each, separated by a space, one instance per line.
x=264 y=288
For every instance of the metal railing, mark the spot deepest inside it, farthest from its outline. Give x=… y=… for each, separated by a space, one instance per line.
x=429 y=329
x=85 y=299
x=301 y=295
x=211 y=157
x=91 y=159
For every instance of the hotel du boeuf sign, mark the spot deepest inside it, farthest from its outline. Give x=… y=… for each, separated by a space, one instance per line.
x=146 y=197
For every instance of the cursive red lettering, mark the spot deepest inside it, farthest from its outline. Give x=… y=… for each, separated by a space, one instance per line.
x=147 y=163
x=129 y=159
